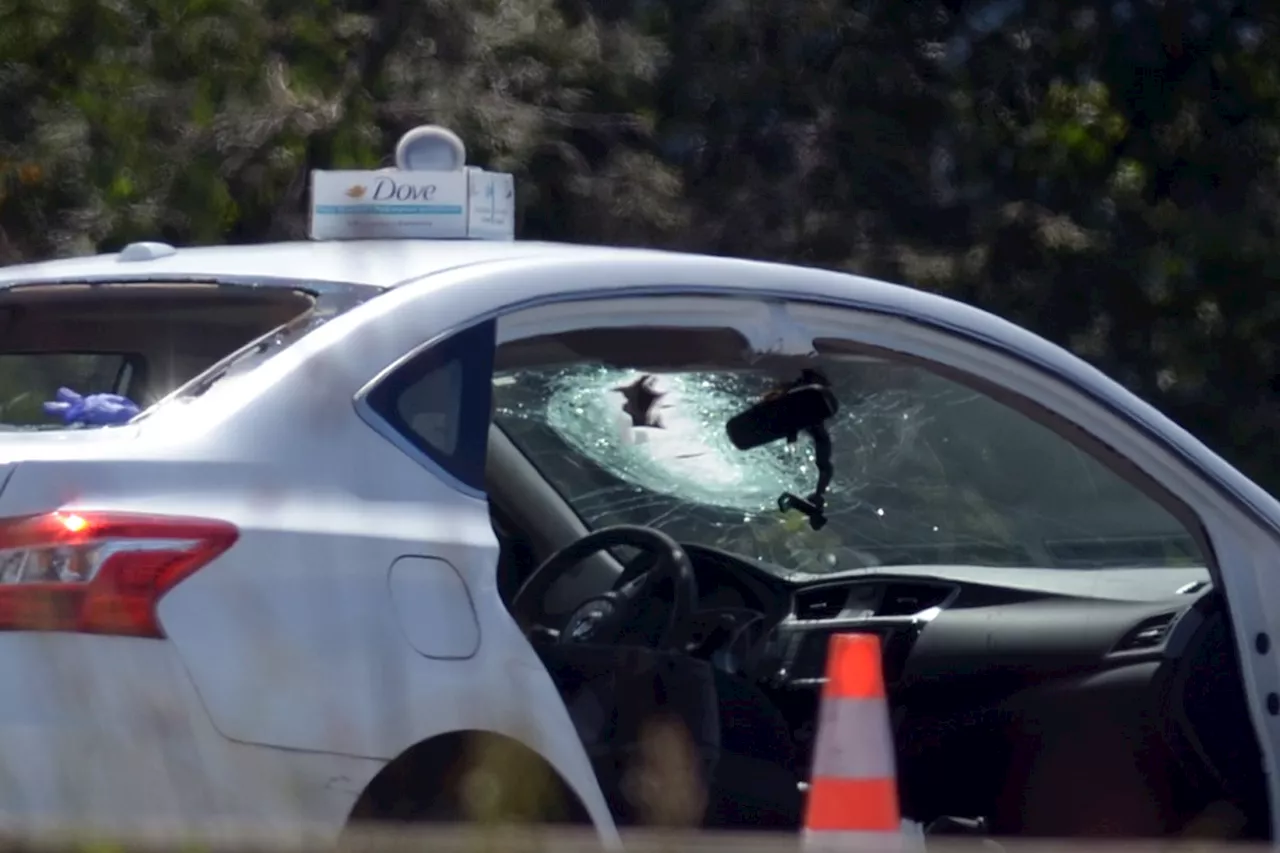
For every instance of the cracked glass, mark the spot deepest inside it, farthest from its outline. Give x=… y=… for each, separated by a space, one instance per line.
x=927 y=470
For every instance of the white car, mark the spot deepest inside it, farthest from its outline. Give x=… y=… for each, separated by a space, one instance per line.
x=377 y=552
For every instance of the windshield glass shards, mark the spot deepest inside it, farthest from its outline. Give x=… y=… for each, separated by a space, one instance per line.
x=925 y=471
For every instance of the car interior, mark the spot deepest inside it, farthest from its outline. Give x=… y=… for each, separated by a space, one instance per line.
x=1020 y=705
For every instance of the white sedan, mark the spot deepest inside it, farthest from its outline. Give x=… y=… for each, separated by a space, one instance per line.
x=476 y=509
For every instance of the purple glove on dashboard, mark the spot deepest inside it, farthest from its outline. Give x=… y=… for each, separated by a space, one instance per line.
x=93 y=410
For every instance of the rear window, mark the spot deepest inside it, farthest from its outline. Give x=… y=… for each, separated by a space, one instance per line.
x=146 y=340
x=28 y=380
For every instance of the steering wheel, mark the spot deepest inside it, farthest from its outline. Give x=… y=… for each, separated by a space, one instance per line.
x=612 y=617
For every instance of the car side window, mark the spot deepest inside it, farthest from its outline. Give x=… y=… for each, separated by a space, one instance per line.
x=438 y=402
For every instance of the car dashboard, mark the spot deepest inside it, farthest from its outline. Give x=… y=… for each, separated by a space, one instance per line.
x=1010 y=633
x=981 y=666
x=795 y=622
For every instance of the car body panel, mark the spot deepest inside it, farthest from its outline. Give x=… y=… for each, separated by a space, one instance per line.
x=299 y=614
x=19 y=444
x=121 y=740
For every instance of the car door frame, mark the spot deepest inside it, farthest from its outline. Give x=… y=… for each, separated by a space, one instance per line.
x=1241 y=521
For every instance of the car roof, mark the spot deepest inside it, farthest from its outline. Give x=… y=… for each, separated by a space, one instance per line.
x=373 y=263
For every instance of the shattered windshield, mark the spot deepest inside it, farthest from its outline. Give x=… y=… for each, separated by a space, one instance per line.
x=926 y=471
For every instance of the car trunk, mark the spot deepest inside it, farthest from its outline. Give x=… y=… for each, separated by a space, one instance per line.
x=140 y=339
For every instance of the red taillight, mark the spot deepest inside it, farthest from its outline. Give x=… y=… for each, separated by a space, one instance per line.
x=99 y=573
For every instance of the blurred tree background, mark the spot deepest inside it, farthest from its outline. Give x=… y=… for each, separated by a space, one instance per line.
x=1106 y=173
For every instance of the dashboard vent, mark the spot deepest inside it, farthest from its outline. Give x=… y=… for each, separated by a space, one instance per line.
x=908 y=599
x=1149 y=634
x=825 y=602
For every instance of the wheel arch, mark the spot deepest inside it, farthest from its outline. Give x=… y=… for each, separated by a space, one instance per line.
x=453 y=777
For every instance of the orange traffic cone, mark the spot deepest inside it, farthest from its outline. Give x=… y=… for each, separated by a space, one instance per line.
x=853 y=792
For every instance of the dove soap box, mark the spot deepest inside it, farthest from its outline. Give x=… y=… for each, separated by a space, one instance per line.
x=394 y=204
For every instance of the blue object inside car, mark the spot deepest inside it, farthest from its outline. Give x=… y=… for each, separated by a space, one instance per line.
x=92 y=409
